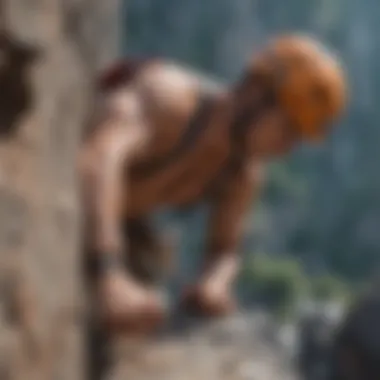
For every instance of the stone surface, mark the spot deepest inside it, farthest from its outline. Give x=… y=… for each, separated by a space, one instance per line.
x=232 y=349
x=49 y=50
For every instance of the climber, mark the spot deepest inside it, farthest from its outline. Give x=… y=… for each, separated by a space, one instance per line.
x=162 y=137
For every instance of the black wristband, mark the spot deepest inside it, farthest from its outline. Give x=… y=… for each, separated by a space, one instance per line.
x=103 y=262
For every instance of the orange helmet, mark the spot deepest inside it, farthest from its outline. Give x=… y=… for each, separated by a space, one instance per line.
x=308 y=80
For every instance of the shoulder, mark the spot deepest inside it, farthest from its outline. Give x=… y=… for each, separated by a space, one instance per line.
x=168 y=82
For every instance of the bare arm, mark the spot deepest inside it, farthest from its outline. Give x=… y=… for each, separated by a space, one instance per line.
x=117 y=138
x=227 y=226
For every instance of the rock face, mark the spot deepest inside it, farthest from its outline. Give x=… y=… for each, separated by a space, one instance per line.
x=237 y=348
x=49 y=50
x=356 y=350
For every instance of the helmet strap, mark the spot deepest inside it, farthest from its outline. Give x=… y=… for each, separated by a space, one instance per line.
x=247 y=116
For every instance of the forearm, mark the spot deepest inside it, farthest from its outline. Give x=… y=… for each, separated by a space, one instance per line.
x=222 y=260
x=227 y=226
x=222 y=269
x=101 y=169
x=102 y=200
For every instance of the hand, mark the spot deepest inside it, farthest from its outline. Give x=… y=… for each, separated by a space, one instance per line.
x=212 y=300
x=127 y=305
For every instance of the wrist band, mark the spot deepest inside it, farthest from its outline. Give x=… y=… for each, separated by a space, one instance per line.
x=103 y=262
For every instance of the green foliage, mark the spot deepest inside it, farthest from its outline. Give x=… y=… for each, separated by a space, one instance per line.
x=278 y=283
x=328 y=287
